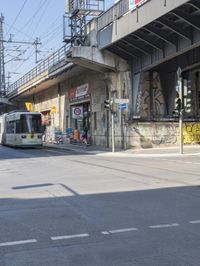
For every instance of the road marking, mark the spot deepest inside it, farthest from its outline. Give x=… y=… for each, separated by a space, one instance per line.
x=195 y=222
x=163 y=226
x=21 y=242
x=68 y=236
x=119 y=231
x=105 y=233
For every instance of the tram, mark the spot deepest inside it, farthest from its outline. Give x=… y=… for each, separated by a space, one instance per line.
x=21 y=129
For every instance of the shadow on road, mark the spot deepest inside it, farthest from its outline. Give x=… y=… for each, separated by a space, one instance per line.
x=26 y=153
x=102 y=216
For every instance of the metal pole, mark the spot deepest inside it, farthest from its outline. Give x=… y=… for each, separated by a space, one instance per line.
x=181 y=131
x=181 y=115
x=113 y=131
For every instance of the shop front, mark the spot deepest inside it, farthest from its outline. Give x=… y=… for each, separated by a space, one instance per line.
x=80 y=112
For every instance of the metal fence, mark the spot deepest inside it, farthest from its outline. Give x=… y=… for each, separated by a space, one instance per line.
x=116 y=11
x=36 y=72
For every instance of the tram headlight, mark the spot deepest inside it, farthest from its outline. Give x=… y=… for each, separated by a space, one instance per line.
x=23 y=136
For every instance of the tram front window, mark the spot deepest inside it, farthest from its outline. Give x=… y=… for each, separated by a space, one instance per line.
x=29 y=124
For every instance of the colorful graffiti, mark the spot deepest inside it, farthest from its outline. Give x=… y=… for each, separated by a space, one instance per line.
x=191 y=133
x=150 y=134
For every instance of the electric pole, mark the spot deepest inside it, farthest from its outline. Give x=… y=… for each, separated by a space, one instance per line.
x=2 y=64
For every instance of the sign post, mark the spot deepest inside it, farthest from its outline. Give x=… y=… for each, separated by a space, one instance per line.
x=113 y=131
x=181 y=109
x=109 y=106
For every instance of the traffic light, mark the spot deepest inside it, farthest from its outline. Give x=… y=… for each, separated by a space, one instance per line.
x=188 y=98
x=108 y=104
x=177 y=106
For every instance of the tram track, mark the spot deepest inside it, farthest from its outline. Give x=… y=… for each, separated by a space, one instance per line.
x=84 y=162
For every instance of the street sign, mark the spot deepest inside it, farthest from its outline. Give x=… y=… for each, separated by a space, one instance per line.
x=121 y=100
x=122 y=106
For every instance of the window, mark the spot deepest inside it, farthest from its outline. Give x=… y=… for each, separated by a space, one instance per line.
x=10 y=129
x=29 y=124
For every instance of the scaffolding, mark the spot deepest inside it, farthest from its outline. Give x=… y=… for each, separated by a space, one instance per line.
x=76 y=14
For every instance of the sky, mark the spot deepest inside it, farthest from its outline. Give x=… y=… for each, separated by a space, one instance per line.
x=26 y=20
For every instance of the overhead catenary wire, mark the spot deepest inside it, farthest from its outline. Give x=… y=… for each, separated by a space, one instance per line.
x=31 y=19
x=20 y=11
x=51 y=37
x=42 y=3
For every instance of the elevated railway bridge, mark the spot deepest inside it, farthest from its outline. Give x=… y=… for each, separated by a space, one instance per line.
x=142 y=46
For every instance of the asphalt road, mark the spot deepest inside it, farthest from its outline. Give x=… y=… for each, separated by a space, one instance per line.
x=63 y=208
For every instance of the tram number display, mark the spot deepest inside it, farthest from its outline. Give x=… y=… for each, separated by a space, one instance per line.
x=77 y=112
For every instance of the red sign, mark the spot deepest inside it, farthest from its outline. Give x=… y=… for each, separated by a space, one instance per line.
x=80 y=92
x=134 y=3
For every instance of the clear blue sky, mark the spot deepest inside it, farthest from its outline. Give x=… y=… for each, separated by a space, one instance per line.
x=25 y=20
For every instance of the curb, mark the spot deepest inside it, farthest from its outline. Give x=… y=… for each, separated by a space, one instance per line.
x=137 y=153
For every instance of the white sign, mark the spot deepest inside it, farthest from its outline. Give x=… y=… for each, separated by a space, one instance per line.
x=121 y=100
x=77 y=112
x=82 y=90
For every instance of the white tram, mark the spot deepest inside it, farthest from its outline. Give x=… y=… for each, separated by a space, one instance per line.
x=21 y=129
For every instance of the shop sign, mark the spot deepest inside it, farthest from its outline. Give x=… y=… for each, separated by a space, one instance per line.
x=79 y=92
x=77 y=112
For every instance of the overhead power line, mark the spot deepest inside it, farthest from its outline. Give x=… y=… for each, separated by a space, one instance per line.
x=23 y=5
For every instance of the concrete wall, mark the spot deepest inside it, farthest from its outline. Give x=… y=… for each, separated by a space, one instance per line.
x=104 y=86
x=154 y=134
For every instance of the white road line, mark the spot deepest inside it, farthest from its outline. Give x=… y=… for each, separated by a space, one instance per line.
x=123 y=230
x=163 y=226
x=68 y=236
x=105 y=233
x=195 y=222
x=21 y=242
x=119 y=231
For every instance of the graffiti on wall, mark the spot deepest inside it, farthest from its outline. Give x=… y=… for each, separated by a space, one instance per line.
x=143 y=98
x=159 y=106
x=191 y=133
x=163 y=133
x=146 y=92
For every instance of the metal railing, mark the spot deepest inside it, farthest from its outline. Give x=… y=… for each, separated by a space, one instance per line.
x=35 y=74
x=116 y=11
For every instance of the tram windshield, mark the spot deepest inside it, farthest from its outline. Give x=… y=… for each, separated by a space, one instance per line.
x=29 y=123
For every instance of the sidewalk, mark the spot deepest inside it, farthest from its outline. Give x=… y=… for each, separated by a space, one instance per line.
x=97 y=150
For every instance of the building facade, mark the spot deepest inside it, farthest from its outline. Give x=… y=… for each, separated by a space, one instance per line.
x=133 y=56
